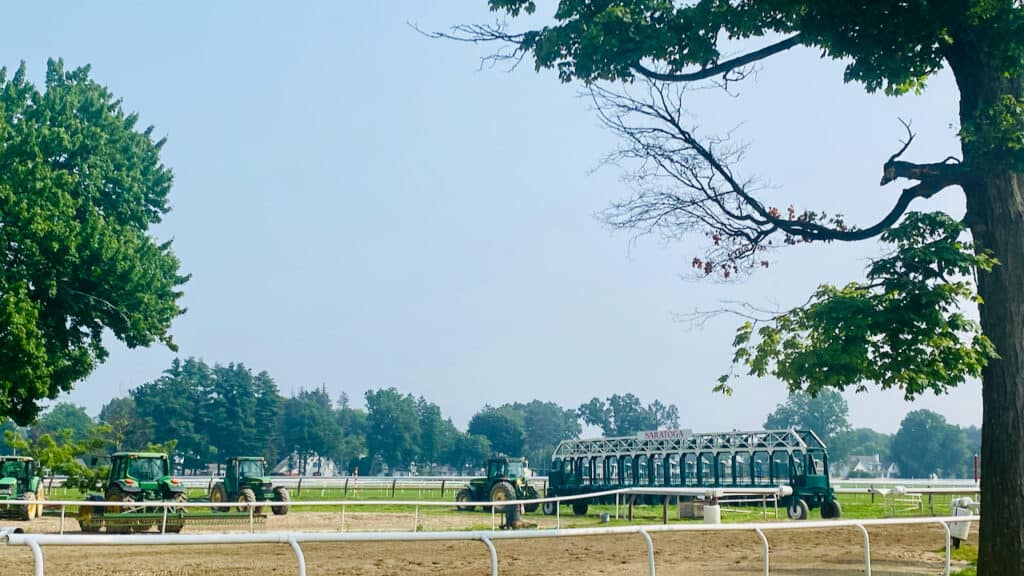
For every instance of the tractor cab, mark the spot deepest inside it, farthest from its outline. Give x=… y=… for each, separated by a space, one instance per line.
x=145 y=474
x=511 y=468
x=16 y=473
x=19 y=480
x=247 y=472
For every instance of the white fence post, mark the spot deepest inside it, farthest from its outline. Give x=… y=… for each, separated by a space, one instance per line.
x=948 y=545
x=298 y=554
x=764 y=543
x=494 y=554
x=867 y=550
x=37 y=556
x=650 y=551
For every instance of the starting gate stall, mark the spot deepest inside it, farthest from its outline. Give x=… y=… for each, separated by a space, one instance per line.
x=731 y=461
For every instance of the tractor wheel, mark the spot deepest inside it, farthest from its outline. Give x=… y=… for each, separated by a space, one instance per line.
x=219 y=494
x=797 y=509
x=246 y=497
x=580 y=508
x=500 y=492
x=121 y=525
x=464 y=495
x=175 y=514
x=529 y=494
x=831 y=509
x=180 y=498
x=28 y=511
x=90 y=518
x=40 y=497
x=550 y=508
x=87 y=519
x=281 y=495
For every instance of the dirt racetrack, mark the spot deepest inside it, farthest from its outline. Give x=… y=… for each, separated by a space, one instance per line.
x=895 y=550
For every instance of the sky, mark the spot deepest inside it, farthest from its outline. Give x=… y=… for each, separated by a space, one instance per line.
x=361 y=206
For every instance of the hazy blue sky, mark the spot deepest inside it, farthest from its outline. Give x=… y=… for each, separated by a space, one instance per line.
x=361 y=207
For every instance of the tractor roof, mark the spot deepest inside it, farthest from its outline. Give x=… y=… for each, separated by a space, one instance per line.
x=139 y=455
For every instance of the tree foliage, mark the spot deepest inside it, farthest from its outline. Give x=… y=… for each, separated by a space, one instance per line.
x=79 y=188
x=393 y=427
x=130 y=431
x=173 y=407
x=63 y=416
x=861 y=442
x=825 y=413
x=902 y=328
x=623 y=415
x=504 y=428
x=309 y=426
x=926 y=444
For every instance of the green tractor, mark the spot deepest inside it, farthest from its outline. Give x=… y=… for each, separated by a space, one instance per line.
x=245 y=482
x=506 y=480
x=135 y=478
x=19 y=481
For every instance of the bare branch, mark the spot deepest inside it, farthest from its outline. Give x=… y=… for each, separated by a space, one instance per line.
x=512 y=49
x=685 y=183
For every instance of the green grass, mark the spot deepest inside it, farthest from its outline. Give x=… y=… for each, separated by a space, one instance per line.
x=855 y=506
x=966 y=553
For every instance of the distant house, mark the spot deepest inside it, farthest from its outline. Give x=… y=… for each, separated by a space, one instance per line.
x=864 y=466
x=314 y=465
x=892 y=471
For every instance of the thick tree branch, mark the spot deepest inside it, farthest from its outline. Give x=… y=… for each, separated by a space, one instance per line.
x=687 y=183
x=721 y=68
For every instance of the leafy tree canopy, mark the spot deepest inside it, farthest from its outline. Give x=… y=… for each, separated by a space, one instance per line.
x=926 y=444
x=79 y=188
x=624 y=414
x=63 y=416
x=504 y=427
x=393 y=427
x=826 y=414
x=901 y=328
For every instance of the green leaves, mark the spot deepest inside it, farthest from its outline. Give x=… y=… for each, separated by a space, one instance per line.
x=890 y=46
x=901 y=328
x=79 y=188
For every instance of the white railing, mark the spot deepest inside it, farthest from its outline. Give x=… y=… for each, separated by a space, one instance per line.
x=766 y=496
x=454 y=482
x=36 y=541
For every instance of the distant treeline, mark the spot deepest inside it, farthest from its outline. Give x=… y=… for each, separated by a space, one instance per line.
x=207 y=414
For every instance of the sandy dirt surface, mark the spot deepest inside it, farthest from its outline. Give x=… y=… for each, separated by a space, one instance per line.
x=898 y=550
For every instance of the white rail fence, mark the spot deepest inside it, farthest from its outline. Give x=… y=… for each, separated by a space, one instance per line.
x=765 y=496
x=436 y=482
x=37 y=541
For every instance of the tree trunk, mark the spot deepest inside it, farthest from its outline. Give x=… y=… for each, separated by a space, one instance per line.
x=996 y=209
x=995 y=215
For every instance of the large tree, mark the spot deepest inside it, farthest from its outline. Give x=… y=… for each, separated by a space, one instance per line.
x=903 y=328
x=80 y=187
x=623 y=414
x=129 y=430
x=173 y=406
x=503 y=427
x=393 y=427
x=310 y=427
x=63 y=416
x=826 y=413
x=926 y=444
